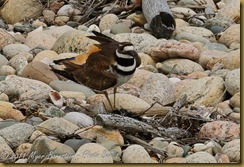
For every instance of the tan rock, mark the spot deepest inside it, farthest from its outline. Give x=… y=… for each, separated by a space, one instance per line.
x=108 y=21
x=46 y=54
x=232 y=149
x=235 y=100
x=39 y=71
x=99 y=131
x=230 y=35
x=7 y=111
x=22 y=9
x=5 y=38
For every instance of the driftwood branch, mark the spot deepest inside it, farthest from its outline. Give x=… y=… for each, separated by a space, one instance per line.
x=159 y=18
x=125 y=123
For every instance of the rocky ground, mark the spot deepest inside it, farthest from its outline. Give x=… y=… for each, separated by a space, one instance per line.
x=187 y=90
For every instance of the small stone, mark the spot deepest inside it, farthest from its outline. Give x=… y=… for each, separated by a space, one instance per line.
x=120 y=28
x=40 y=39
x=61 y=20
x=180 y=66
x=59 y=126
x=232 y=149
x=146 y=59
x=92 y=153
x=7 y=123
x=4 y=97
x=22 y=130
x=79 y=97
x=43 y=147
x=200 y=157
x=235 y=100
x=173 y=150
x=34 y=121
x=94 y=132
x=21 y=161
x=5 y=38
x=48 y=15
x=139 y=77
x=222 y=130
x=79 y=119
x=6 y=70
x=68 y=10
x=232 y=81
x=73 y=41
x=8 y=111
x=75 y=144
x=222 y=158
x=53 y=111
x=46 y=55
x=108 y=21
x=136 y=154
x=23 y=150
x=158 y=88
x=13 y=49
x=39 y=71
x=3 y=60
x=175 y=160
x=235 y=116
x=36 y=134
x=230 y=35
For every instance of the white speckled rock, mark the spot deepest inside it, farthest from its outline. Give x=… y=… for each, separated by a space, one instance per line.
x=232 y=81
x=67 y=10
x=46 y=54
x=232 y=149
x=59 y=126
x=4 y=147
x=158 y=87
x=79 y=119
x=136 y=154
x=211 y=90
x=200 y=157
x=92 y=153
x=3 y=60
x=139 y=77
x=57 y=31
x=22 y=130
x=23 y=89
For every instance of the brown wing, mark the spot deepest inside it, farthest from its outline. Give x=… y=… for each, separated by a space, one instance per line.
x=95 y=73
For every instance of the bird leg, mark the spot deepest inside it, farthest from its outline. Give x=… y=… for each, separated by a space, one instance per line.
x=115 y=96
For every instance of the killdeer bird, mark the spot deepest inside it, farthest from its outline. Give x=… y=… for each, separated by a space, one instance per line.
x=107 y=64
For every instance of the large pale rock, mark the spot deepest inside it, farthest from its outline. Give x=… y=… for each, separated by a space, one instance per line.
x=230 y=11
x=58 y=126
x=200 y=157
x=8 y=152
x=73 y=41
x=13 y=49
x=136 y=154
x=17 y=134
x=92 y=153
x=230 y=35
x=108 y=21
x=24 y=88
x=206 y=91
x=8 y=111
x=39 y=71
x=232 y=149
x=122 y=101
x=43 y=147
x=14 y=11
x=158 y=88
